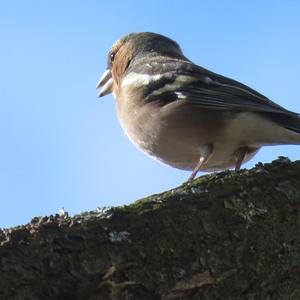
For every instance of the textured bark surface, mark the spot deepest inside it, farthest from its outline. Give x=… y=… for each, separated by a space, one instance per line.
x=230 y=235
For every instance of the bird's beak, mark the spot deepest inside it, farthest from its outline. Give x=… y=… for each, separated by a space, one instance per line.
x=105 y=83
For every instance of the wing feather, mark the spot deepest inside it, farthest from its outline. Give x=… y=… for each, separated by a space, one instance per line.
x=211 y=90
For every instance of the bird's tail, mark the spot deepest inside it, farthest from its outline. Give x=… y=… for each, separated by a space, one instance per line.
x=290 y=122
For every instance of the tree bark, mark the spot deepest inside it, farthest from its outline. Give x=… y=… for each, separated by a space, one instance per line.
x=229 y=235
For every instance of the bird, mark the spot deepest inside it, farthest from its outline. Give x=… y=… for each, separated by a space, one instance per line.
x=184 y=115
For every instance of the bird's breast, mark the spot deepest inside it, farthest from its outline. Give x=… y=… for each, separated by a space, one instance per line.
x=173 y=134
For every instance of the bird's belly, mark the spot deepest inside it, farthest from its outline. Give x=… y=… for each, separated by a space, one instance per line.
x=157 y=142
x=162 y=140
x=175 y=142
x=180 y=150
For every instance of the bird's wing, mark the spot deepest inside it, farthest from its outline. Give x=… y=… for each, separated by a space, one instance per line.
x=206 y=89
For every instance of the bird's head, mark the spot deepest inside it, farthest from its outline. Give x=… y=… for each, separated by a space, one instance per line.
x=131 y=50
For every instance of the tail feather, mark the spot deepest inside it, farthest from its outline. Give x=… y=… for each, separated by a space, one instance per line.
x=288 y=121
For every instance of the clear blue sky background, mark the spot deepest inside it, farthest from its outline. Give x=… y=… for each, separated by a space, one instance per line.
x=63 y=147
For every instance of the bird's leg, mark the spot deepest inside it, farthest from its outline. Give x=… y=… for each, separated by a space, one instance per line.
x=240 y=156
x=205 y=153
x=198 y=167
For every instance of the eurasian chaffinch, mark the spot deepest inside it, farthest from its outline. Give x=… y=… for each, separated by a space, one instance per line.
x=186 y=116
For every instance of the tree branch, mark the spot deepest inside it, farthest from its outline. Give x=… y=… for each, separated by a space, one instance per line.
x=229 y=235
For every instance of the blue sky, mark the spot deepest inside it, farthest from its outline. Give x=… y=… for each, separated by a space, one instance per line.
x=61 y=146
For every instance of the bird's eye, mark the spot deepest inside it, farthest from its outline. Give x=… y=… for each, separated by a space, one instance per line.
x=112 y=56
